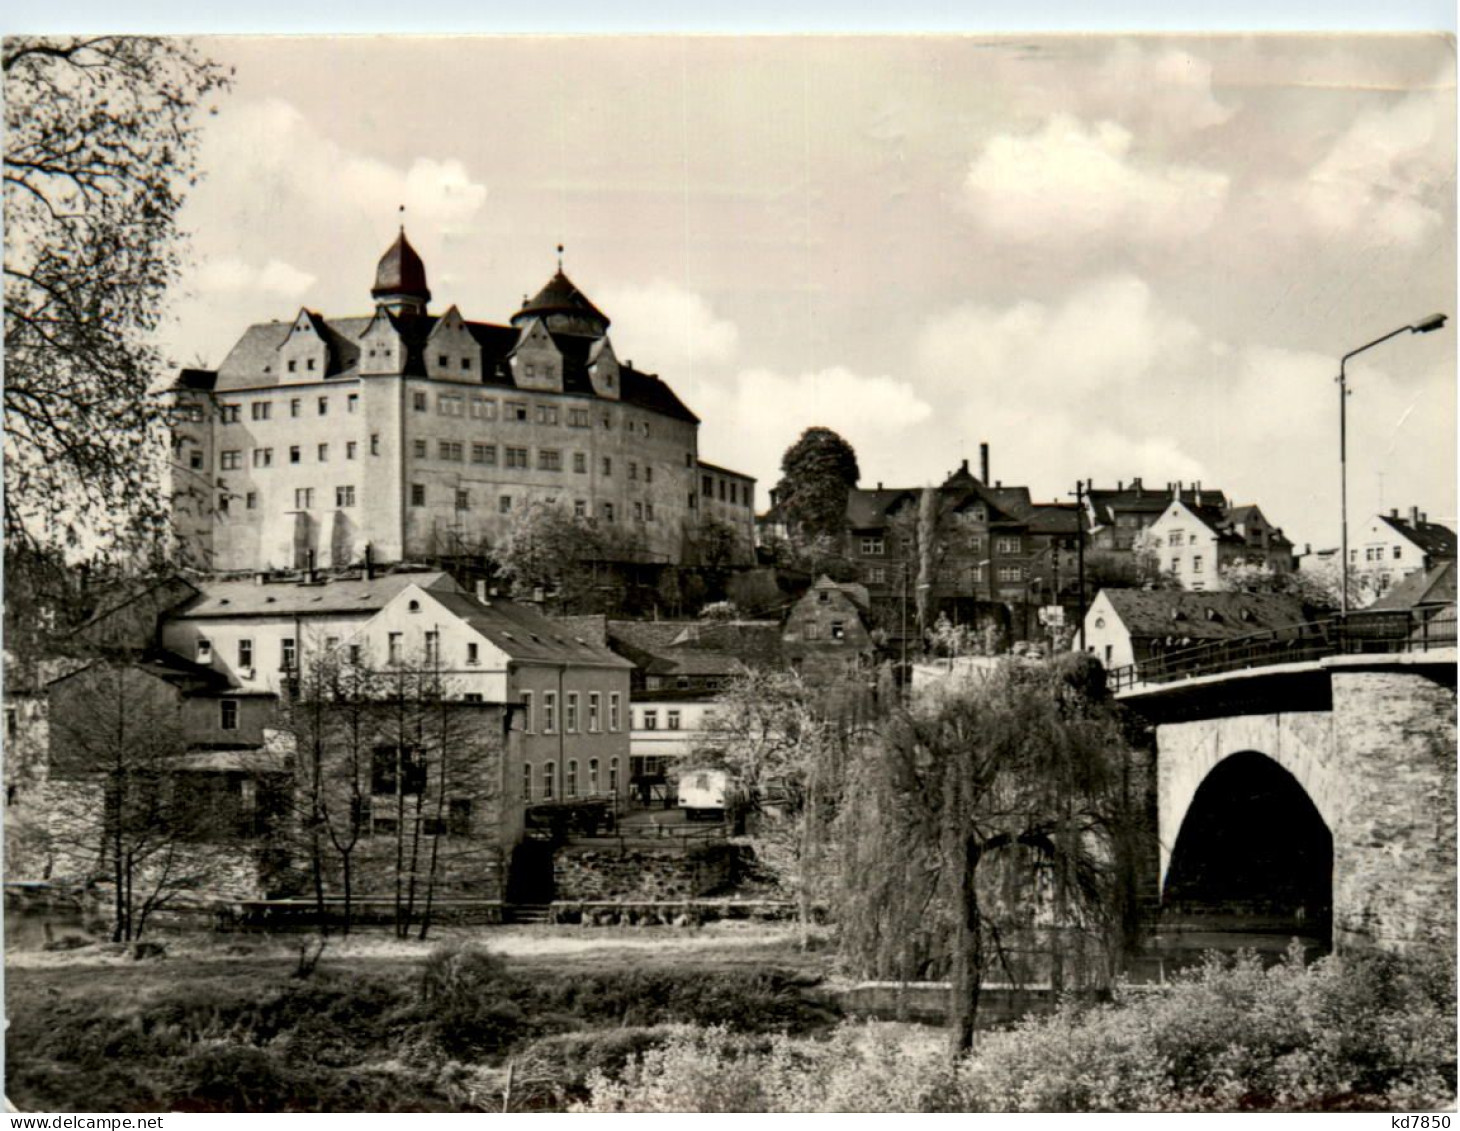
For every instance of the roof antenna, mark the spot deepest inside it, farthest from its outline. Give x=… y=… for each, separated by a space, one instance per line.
x=560 y=259
x=402 y=219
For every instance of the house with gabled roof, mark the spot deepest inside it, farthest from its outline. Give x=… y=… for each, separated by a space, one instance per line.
x=1388 y=548
x=1127 y=626
x=1194 y=543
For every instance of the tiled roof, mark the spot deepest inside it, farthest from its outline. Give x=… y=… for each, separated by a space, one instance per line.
x=253 y=361
x=1432 y=538
x=560 y=296
x=1053 y=518
x=705 y=465
x=526 y=635
x=401 y=271
x=244 y=598
x=1177 y=612
x=1425 y=587
x=1146 y=500
x=868 y=509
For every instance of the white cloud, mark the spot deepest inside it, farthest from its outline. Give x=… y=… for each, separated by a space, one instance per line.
x=286 y=161
x=1162 y=88
x=753 y=418
x=230 y=275
x=672 y=329
x=1069 y=180
x=1106 y=335
x=1381 y=176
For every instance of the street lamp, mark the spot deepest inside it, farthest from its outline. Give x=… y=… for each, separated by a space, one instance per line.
x=1423 y=326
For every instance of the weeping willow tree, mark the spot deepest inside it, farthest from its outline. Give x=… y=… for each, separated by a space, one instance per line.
x=993 y=836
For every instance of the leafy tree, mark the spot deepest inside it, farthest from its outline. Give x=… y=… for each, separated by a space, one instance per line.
x=994 y=814
x=817 y=472
x=572 y=559
x=769 y=730
x=99 y=154
x=1317 y=588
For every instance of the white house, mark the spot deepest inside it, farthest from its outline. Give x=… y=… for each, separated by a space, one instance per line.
x=1386 y=548
x=1194 y=543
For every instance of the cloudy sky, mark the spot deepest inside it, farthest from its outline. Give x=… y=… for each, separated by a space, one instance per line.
x=1107 y=257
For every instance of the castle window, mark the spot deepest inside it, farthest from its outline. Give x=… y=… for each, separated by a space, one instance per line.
x=228 y=714
x=607 y=466
x=580 y=463
x=633 y=470
x=251 y=500
x=504 y=504
x=463 y=499
x=294 y=406
x=263 y=457
x=418 y=494
x=443 y=361
x=418 y=401
x=607 y=512
x=419 y=448
x=324 y=453
x=309 y=364
x=293 y=366
x=638 y=512
x=230 y=460
x=375 y=443
x=549 y=459
x=649 y=511
x=578 y=418
x=260 y=410
x=293 y=453
x=303 y=498
x=352 y=402
x=229 y=413
x=517 y=458
x=547 y=414
x=466 y=363
x=350 y=448
x=580 y=508
x=648 y=474
x=516 y=410
x=345 y=496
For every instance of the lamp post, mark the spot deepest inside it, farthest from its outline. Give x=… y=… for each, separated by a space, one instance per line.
x=1423 y=326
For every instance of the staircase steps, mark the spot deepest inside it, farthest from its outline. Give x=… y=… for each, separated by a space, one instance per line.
x=529 y=913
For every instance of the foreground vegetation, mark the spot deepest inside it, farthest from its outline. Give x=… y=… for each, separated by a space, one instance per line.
x=1373 y=1034
x=464 y=1030
x=438 y=1034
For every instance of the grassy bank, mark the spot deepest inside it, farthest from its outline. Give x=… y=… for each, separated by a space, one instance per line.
x=380 y=1025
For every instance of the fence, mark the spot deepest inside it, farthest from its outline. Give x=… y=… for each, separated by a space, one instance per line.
x=1358 y=633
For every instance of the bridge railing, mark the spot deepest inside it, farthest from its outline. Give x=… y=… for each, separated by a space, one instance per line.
x=1387 y=631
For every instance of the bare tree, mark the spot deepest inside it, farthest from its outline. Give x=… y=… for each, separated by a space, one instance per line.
x=125 y=808
x=99 y=153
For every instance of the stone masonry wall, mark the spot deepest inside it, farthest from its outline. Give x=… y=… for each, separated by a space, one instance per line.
x=1394 y=859
x=637 y=874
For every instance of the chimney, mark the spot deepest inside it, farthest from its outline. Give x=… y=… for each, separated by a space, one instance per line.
x=879 y=484
x=369 y=562
x=983 y=462
x=311 y=567
x=1120 y=484
x=1414 y=518
x=964 y=468
x=482 y=591
x=999 y=485
x=1136 y=486
x=1393 y=512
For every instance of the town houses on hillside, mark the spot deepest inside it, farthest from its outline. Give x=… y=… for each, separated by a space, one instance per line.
x=410 y=434
x=1388 y=548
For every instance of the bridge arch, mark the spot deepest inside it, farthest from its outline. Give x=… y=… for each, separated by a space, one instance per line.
x=1300 y=742
x=1254 y=846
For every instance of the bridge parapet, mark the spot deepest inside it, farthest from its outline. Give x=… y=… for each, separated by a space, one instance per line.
x=1388 y=632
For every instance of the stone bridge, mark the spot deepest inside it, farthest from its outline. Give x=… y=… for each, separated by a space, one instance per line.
x=1315 y=796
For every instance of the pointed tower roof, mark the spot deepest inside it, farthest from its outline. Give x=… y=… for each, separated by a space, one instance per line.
x=564 y=307
x=400 y=273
